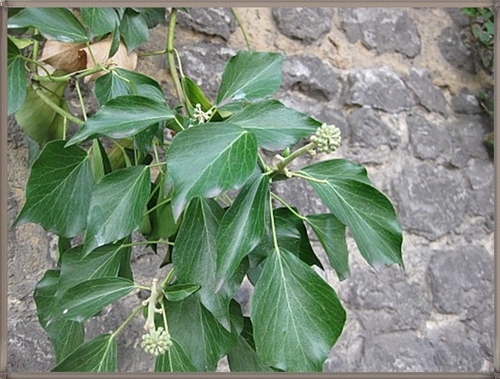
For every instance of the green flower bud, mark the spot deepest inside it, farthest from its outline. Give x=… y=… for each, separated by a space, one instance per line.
x=327 y=138
x=156 y=342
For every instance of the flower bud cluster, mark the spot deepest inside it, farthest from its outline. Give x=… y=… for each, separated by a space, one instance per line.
x=201 y=116
x=327 y=138
x=156 y=342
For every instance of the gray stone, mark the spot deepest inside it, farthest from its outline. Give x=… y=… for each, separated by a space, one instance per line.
x=481 y=328
x=379 y=88
x=385 y=30
x=460 y=19
x=431 y=200
x=467 y=138
x=461 y=280
x=386 y=301
x=204 y=63
x=466 y=103
x=453 y=44
x=453 y=350
x=212 y=21
x=430 y=96
x=398 y=352
x=481 y=202
x=427 y=140
x=305 y=24
x=309 y=75
x=368 y=130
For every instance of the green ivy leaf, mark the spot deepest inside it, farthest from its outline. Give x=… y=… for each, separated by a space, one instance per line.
x=87 y=298
x=250 y=75
x=174 y=360
x=16 y=78
x=53 y=23
x=200 y=161
x=178 y=292
x=117 y=206
x=153 y=16
x=346 y=190
x=122 y=117
x=331 y=234
x=96 y=355
x=65 y=335
x=100 y=20
x=296 y=315
x=101 y=165
x=243 y=357
x=195 y=258
x=195 y=94
x=58 y=174
x=134 y=29
x=275 y=126
x=202 y=337
x=38 y=120
x=243 y=226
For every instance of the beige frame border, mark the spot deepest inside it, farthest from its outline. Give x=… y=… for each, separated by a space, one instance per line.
x=4 y=4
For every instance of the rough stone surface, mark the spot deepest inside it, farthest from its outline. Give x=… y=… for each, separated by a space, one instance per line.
x=368 y=130
x=212 y=21
x=204 y=63
x=305 y=24
x=427 y=140
x=428 y=95
x=431 y=199
x=454 y=46
x=378 y=87
x=398 y=352
x=309 y=75
x=466 y=103
x=465 y=285
x=385 y=30
x=460 y=19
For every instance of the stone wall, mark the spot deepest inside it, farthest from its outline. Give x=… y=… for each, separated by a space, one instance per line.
x=401 y=85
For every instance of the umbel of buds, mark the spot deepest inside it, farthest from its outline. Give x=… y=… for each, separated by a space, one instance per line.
x=156 y=342
x=327 y=138
x=201 y=116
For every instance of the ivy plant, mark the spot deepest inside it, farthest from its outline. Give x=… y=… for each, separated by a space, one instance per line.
x=190 y=183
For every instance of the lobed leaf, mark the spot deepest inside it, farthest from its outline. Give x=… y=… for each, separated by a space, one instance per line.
x=296 y=315
x=117 y=206
x=100 y=20
x=57 y=175
x=201 y=161
x=346 y=190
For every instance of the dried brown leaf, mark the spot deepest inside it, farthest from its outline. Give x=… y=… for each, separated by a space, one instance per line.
x=100 y=52
x=65 y=56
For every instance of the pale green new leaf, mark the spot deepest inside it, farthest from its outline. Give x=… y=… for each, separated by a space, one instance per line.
x=250 y=75
x=331 y=234
x=174 y=360
x=243 y=226
x=275 y=126
x=96 y=355
x=58 y=190
x=117 y=206
x=87 y=298
x=346 y=190
x=53 y=23
x=296 y=315
x=205 y=160
x=122 y=117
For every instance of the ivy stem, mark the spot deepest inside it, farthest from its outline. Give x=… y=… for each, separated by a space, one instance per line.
x=36 y=49
x=38 y=90
x=299 y=174
x=240 y=25
x=150 y=54
x=263 y=164
x=157 y=206
x=297 y=153
x=82 y=104
x=77 y=74
x=273 y=226
x=168 y=278
x=288 y=206
x=129 y=318
x=153 y=299
x=171 y=60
